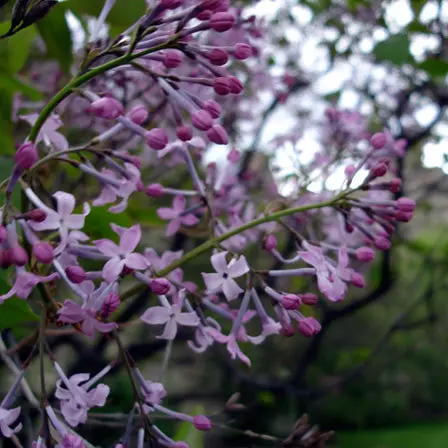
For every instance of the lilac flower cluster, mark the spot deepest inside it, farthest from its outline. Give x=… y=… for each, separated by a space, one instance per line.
x=176 y=53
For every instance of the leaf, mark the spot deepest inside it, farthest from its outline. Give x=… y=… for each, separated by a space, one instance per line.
x=56 y=34
x=435 y=67
x=395 y=49
x=124 y=13
x=6 y=128
x=14 y=50
x=14 y=312
x=98 y=223
x=14 y=84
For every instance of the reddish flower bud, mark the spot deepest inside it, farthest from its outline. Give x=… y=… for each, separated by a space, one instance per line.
x=403 y=216
x=139 y=114
x=202 y=120
x=381 y=243
x=309 y=299
x=43 y=252
x=18 y=255
x=378 y=170
x=291 y=301
x=236 y=86
x=222 y=86
x=135 y=160
x=37 y=215
x=210 y=4
x=288 y=330
x=202 y=423
x=349 y=228
x=184 y=133
x=270 y=242
x=172 y=58
x=5 y=259
x=156 y=139
x=365 y=254
x=395 y=185
x=160 y=286
x=75 y=274
x=222 y=21
x=3 y=234
x=218 y=56
x=212 y=107
x=242 y=51
x=218 y=135
x=107 y=107
x=110 y=304
x=357 y=280
x=154 y=190
x=170 y=4
x=406 y=205
x=309 y=327
x=378 y=140
x=233 y=156
x=26 y=156
x=204 y=15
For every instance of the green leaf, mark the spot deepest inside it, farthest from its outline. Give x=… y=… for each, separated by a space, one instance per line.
x=14 y=84
x=124 y=13
x=98 y=222
x=14 y=312
x=435 y=67
x=6 y=128
x=56 y=34
x=395 y=49
x=14 y=50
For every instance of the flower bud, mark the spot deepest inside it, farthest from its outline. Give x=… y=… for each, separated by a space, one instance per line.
x=378 y=140
x=309 y=327
x=160 y=286
x=172 y=58
x=170 y=4
x=184 y=133
x=107 y=107
x=18 y=255
x=43 y=252
x=233 y=156
x=403 y=216
x=202 y=423
x=110 y=304
x=202 y=120
x=3 y=234
x=218 y=56
x=26 y=156
x=37 y=215
x=156 y=139
x=221 y=86
x=349 y=228
x=222 y=21
x=139 y=114
x=218 y=135
x=309 y=299
x=395 y=185
x=400 y=146
x=357 y=279
x=212 y=107
x=204 y=15
x=154 y=190
x=242 y=51
x=270 y=242
x=236 y=86
x=365 y=254
x=287 y=330
x=291 y=301
x=406 y=205
x=75 y=274
x=349 y=171
x=210 y=4
x=5 y=258
x=382 y=243
x=378 y=170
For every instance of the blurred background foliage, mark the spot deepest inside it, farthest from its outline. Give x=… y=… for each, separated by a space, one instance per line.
x=377 y=374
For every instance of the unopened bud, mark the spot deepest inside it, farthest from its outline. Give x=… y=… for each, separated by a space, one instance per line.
x=184 y=133
x=291 y=301
x=309 y=299
x=202 y=423
x=222 y=21
x=378 y=140
x=406 y=205
x=139 y=114
x=43 y=252
x=202 y=120
x=75 y=274
x=154 y=190
x=26 y=156
x=365 y=254
x=309 y=327
x=160 y=286
x=107 y=107
x=19 y=257
x=270 y=243
x=110 y=304
x=217 y=134
x=156 y=139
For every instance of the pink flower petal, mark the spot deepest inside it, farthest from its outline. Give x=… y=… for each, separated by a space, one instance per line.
x=130 y=238
x=66 y=203
x=239 y=267
x=213 y=281
x=166 y=213
x=219 y=262
x=189 y=319
x=179 y=204
x=107 y=247
x=136 y=261
x=231 y=289
x=156 y=315
x=112 y=269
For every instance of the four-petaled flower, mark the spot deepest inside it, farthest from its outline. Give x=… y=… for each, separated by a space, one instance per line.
x=177 y=216
x=87 y=314
x=223 y=280
x=7 y=418
x=77 y=399
x=171 y=316
x=63 y=219
x=123 y=254
x=48 y=133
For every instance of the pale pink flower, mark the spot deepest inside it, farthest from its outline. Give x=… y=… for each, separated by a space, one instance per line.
x=176 y=216
x=48 y=133
x=7 y=418
x=223 y=280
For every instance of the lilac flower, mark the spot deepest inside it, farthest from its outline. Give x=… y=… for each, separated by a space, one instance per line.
x=48 y=133
x=176 y=216
x=87 y=313
x=223 y=279
x=153 y=393
x=232 y=345
x=111 y=193
x=171 y=316
x=203 y=337
x=25 y=283
x=63 y=219
x=76 y=398
x=7 y=418
x=123 y=254
x=330 y=280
